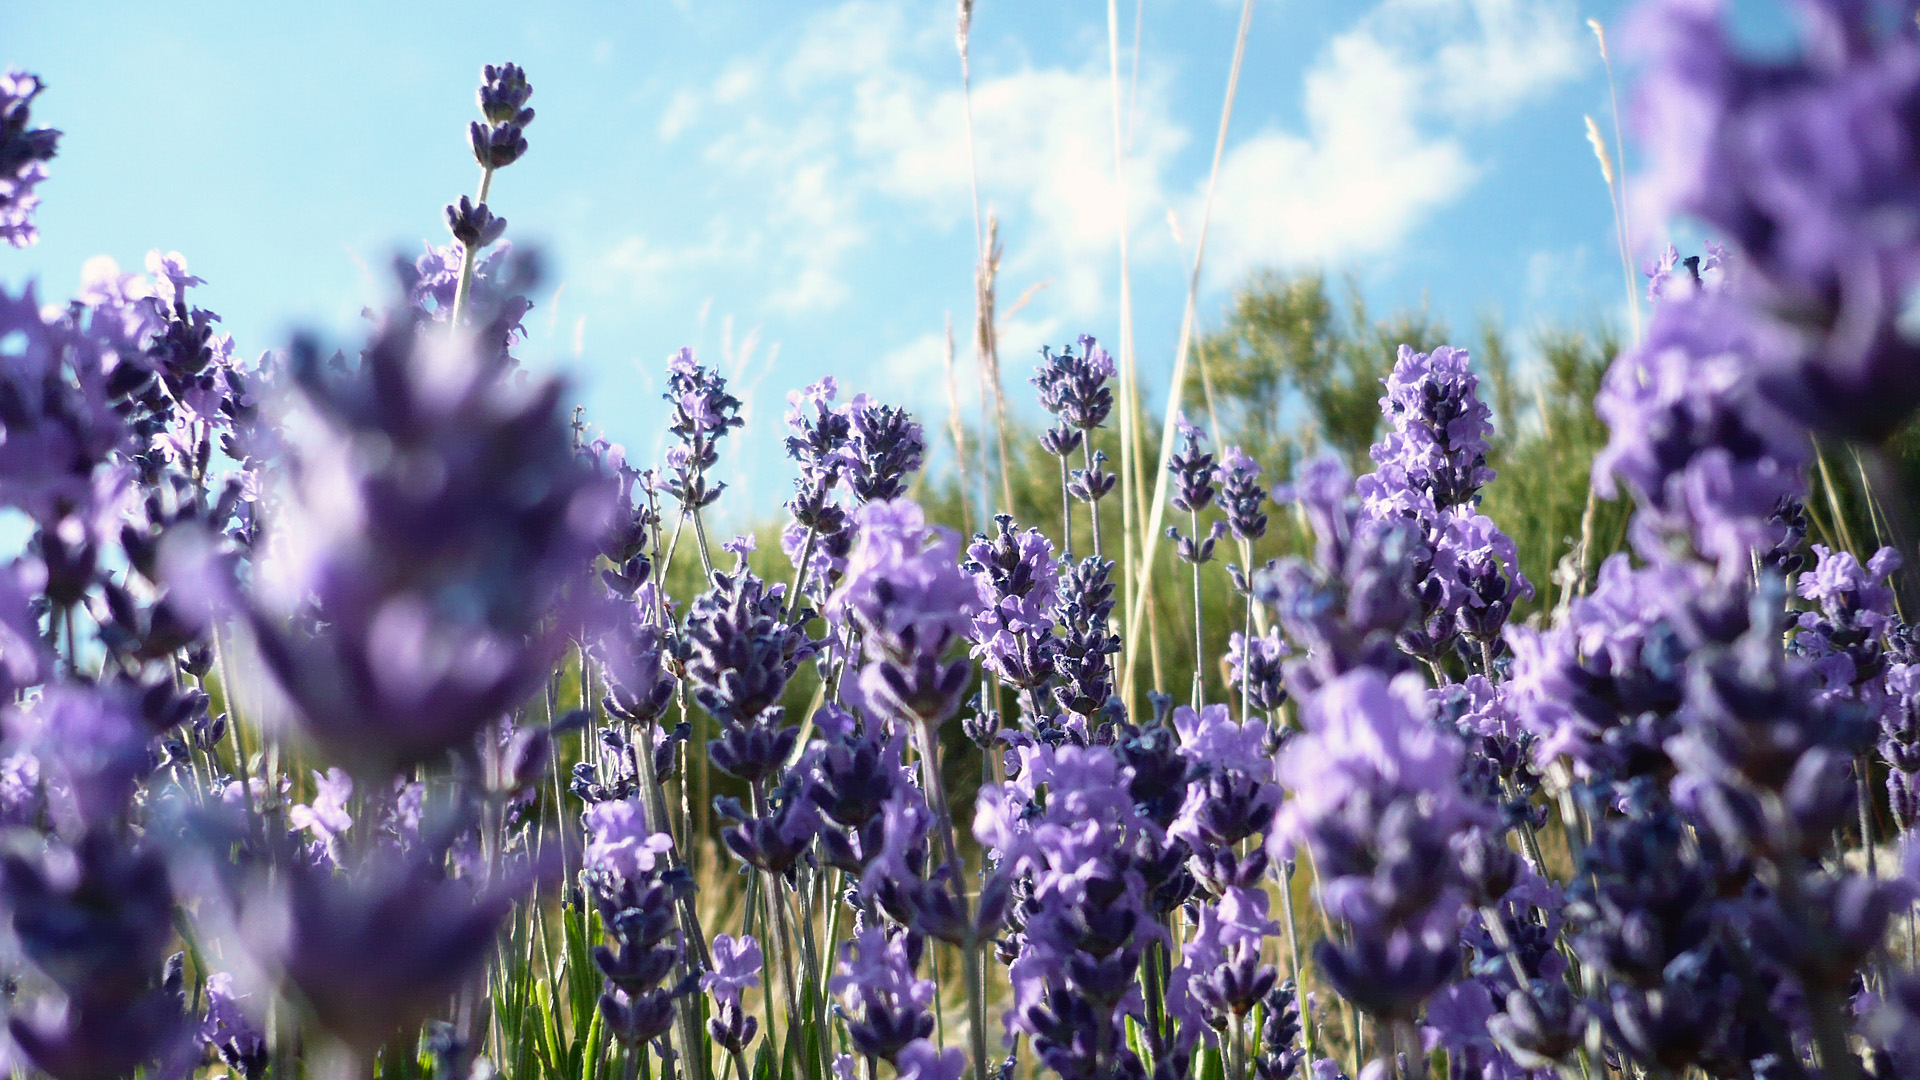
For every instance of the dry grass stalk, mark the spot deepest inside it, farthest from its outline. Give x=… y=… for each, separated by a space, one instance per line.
x=958 y=430
x=1156 y=512
x=986 y=346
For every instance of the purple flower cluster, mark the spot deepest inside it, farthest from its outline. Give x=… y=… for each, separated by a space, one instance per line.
x=24 y=152
x=1376 y=799
x=1807 y=162
x=1347 y=606
x=1639 y=833
x=1067 y=826
x=1073 y=387
x=1432 y=464
x=703 y=413
x=906 y=595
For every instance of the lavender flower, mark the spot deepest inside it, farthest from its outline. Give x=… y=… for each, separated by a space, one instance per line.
x=1230 y=794
x=1257 y=664
x=1692 y=436
x=628 y=875
x=398 y=616
x=1086 y=641
x=922 y=1060
x=1603 y=686
x=1241 y=494
x=741 y=651
x=231 y=1030
x=883 y=448
x=1845 y=636
x=1073 y=387
x=1347 y=605
x=772 y=841
x=59 y=379
x=1223 y=957
x=820 y=431
x=906 y=594
x=1192 y=470
x=887 y=1005
x=622 y=846
x=325 y=819
x=1437 y=443
x=92 y=747
x=501 y=139
x=703 y=413
x=736 y=969
x=378 y=948
x=24 y=152
x=1376 y=798
x=94 y=918
x=474 y=227
x=1067 y=824
x=1018 y=582
x=1802 y=160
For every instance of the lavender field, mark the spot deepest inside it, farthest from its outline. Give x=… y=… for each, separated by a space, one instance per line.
x=1332 y=698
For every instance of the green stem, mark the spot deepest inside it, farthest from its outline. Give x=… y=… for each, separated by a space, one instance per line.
x=936 y=788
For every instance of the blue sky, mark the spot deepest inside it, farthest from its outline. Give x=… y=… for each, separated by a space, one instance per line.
x=784 y=186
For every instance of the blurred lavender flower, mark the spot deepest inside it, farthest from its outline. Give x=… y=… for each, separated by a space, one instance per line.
x=429 y=547
x=630 y=652
x=91 y=746
x=95 y=918
x=1257 y=664
x=379 y=947
x=231 y=1030
x=921 y=1059
x=1347 y=605
x=60 y=380
x=1806 y=160
x=326 y=818
x=499 y=276
x=24 y=152
x=1694 y=439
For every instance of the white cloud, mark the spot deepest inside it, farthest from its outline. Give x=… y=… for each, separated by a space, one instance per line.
x=1387 y=105
x=854 y=130
x=681 y=111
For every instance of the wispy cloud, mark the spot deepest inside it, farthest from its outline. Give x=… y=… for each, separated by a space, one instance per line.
x=1388 y=105
x=851 y=136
